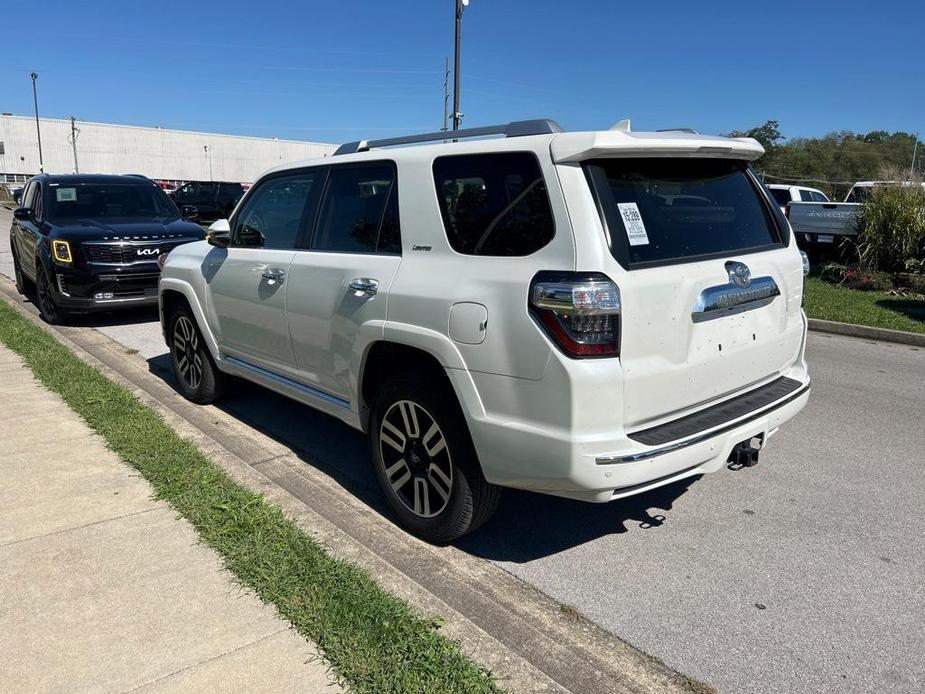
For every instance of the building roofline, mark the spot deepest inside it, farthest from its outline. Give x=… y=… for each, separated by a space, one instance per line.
x=154 y=128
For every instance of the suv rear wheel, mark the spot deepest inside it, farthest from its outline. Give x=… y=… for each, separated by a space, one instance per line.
x=198 y=379
x=425 y=462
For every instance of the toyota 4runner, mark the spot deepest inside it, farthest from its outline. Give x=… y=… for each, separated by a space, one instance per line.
x=585 y=314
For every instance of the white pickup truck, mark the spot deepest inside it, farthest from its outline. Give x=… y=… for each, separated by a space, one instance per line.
x=820 y=224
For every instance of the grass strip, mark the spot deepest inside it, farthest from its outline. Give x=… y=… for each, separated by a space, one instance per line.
x=876 y=309
x=374 y=640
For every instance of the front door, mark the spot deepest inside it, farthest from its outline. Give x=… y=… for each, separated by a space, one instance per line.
x=247 y=281
x=339 y=286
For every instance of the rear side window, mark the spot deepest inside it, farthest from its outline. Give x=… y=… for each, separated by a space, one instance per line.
x=494 y=204
x=661 y=211
x=819 y=197
x=806 y=196
x=360 y=211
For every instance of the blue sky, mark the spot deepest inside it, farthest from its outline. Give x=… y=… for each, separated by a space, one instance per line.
x=339 y=71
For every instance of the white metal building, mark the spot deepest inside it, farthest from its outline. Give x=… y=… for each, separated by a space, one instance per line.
x=173 y=155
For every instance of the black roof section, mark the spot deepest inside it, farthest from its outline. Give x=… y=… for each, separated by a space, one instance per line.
x=76 y=179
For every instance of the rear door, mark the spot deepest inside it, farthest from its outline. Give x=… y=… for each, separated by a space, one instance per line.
x=246 y=282
x=339 y=284
x=710 y=289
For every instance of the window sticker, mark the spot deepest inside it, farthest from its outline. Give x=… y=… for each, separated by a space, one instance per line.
x=66 y=194
x=632 y=220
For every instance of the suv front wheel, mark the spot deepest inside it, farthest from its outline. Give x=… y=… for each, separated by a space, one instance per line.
x=425 y=462
x=198 y=379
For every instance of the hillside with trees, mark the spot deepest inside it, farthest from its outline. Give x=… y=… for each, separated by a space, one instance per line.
x=835 y=161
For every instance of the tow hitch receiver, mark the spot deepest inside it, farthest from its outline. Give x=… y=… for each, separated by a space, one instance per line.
x=745 y=454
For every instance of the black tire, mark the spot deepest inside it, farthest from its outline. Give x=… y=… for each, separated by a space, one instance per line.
x=425 y=462
x=23 y=286
x=48 y=308
x=198 y=379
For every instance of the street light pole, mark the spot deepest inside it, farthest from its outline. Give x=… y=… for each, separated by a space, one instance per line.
x=457 y=116
x=38 y=129
x=209 y=155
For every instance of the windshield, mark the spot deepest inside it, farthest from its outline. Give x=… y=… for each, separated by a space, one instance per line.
x=108 y=201
x=673 y=210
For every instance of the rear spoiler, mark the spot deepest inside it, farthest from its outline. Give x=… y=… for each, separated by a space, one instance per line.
x=575 y=147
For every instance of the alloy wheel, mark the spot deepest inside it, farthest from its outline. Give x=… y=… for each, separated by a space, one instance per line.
x=416 y=459
x=186 y=351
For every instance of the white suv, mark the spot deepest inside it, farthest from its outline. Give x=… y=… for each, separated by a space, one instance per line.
x=585 y=314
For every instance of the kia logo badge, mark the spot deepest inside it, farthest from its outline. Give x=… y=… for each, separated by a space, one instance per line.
x=739 y=274
x=153 y=251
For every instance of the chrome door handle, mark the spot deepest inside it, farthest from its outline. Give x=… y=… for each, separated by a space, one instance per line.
x=364 y=286
x=274 y=274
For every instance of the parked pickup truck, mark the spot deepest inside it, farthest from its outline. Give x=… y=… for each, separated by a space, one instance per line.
x=820 y=224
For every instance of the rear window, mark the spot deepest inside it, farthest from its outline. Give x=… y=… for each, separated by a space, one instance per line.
x=494 y=204
x=661 y=211
x=782 y=195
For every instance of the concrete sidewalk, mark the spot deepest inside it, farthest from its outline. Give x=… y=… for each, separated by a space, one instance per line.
x=104 y=589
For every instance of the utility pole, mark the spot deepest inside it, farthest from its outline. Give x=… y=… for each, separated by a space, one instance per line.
x=446 y=90
x=457 y=116
x=915 y=149
x=38 y=129
x=74 y=133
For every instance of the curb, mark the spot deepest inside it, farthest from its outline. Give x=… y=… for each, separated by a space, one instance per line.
x=863 y=331
x=530 y=642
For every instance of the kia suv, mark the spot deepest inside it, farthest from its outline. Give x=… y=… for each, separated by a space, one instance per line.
x=585 y=314
x=88 y=243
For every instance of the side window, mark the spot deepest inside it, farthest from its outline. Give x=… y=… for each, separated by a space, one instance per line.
x=819 y=197
x=494 y=204
x=358 y=208
x=274 y=214
x=37 y=205
x=806 y=195
x=26 y=199
x=389 y=234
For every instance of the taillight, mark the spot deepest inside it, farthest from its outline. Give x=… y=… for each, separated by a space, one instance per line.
x=579 y=311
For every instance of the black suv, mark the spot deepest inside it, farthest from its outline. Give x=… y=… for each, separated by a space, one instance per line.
x=213 y=200
x=92 y=242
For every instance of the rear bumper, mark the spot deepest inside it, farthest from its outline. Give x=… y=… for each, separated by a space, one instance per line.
x=604 y=468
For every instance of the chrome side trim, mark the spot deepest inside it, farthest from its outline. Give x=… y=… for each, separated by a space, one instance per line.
x=288 y=382
x=699 y=438
x=729 y=299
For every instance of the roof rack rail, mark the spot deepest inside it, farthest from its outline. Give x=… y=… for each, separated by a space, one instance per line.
x=518 y=128
x=679 y=130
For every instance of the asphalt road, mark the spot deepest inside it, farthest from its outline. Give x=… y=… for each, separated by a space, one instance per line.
x=803 y=574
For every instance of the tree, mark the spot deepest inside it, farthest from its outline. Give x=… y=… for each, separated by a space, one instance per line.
x=768 y=136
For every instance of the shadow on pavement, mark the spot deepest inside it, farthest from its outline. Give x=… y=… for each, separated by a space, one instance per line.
x=526 y=526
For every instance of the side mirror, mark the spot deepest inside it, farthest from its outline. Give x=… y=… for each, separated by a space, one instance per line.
x=219 y=234
x=24 y=213
x=189 y=212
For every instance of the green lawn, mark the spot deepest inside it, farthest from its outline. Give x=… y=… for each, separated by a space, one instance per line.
x=878 y=309
x=374 y=641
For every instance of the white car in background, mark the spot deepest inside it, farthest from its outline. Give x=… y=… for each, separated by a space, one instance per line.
x=585 y=314
x=785 y=194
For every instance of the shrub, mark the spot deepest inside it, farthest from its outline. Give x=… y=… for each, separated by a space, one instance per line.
x=891 y=228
